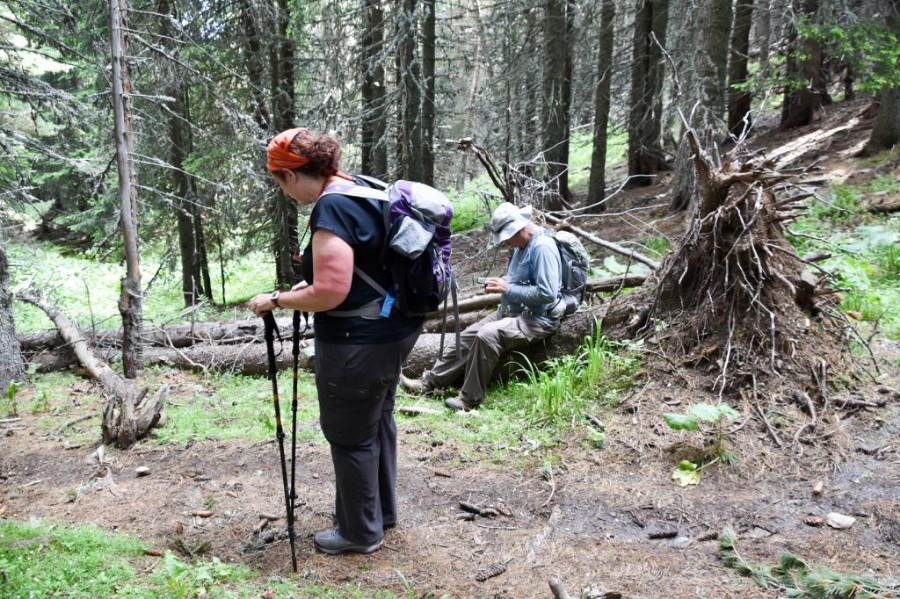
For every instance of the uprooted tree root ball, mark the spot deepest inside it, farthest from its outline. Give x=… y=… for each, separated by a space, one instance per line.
x=735 y=301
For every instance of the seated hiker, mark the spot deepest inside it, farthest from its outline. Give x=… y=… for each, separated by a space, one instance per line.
x=529 y=311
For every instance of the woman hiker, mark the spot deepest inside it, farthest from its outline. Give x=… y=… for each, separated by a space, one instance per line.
x=358 y=354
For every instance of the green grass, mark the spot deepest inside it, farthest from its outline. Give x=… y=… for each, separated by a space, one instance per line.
x=231 y=406
x=565 y=389
x=43 y=560
x=39 y=560
x=581 y=149
x=212 y=406
x=864 y=248
x=655 y=247
x=525 y=421
x=88 y=290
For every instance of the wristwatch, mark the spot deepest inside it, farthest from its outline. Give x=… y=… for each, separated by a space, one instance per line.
x=274 y=298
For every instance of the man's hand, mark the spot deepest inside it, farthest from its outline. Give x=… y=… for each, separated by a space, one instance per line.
x=496 y=285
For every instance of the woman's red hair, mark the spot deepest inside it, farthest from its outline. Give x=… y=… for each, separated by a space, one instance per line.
x=317 y=155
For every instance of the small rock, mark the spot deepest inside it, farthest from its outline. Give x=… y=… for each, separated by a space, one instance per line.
x=816 y=521
x=682 y=542
x=839 y=521
x=142 y=471
x=818 y=488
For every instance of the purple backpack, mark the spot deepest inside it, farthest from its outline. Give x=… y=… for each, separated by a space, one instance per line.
x=417 y=252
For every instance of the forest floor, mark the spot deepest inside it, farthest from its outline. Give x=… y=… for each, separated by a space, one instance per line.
x=593 y=525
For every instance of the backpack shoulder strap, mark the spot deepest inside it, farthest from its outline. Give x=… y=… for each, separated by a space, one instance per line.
x=361 y=191
x=358 y=191
x=374 y=181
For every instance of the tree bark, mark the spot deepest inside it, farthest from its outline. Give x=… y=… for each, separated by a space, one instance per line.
x=12 y=366
x=886 y=127
x=255 y=64
x=281 y=65
x=409 y=139
x=645 y=154
x=739 y=117
x=715 y=72
x=597 y=183
x=429 y=47
x=131 y=297
x=554 y=103
x=373 y=126
x=803 y=103
x=703 y=101
x=195 y=279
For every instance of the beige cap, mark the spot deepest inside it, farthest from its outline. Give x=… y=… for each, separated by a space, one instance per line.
x=507 y=220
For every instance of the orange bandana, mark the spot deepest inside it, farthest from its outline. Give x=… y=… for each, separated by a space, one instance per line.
x=279 y=155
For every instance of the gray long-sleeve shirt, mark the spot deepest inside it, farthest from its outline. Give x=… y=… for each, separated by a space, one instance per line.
x=534 y=276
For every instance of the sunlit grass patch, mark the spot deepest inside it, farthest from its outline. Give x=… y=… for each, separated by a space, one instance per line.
x=232 y=406
x=87 y=289
x=44 y=560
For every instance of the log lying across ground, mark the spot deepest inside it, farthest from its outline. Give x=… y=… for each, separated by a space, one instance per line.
x=238 y=346
x=128 y=414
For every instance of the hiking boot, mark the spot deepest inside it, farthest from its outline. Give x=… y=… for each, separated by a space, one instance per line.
x=333 y=543
x=420 y=386
x=458 y=404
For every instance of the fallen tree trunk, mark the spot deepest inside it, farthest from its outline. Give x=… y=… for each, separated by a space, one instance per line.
x=180 y=335
x=128 y=414
x=237 y=346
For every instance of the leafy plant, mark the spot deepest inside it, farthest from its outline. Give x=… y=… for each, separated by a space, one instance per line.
x=710 y=421
x=839 y=204
x=554 y=388
x=230 y=406
x=656 y=247
x=40 y=403
x=11 y=406
x=871 y=48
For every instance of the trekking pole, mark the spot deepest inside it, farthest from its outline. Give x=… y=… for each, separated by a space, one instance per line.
x=269 y=330
x=296 y=352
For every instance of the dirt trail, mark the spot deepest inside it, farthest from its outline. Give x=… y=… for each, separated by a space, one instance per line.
x=591 y=526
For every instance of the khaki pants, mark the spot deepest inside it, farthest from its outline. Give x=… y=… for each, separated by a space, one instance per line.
x=481 y=347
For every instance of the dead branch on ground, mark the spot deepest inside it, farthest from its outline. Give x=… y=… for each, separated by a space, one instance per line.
x=128 y=414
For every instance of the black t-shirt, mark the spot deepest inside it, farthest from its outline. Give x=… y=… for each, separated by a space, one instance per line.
x=360 y=223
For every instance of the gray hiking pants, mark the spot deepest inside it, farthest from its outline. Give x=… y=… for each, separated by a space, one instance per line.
x=356 y=385
x=481 y=347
